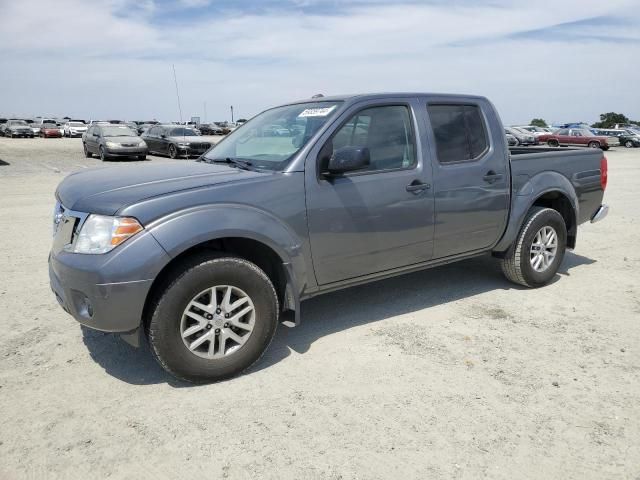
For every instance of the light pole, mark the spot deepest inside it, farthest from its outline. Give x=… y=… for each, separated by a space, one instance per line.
x=231 y=113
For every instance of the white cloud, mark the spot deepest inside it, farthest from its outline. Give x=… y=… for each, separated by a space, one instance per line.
x=114 y=59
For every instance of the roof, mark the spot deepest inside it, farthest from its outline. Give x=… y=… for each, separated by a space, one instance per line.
x=382 y=95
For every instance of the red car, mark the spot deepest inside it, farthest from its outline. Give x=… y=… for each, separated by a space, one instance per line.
x=576 y=137
x=50 y=130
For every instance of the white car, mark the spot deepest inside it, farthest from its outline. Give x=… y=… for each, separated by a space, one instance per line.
x=74 y=129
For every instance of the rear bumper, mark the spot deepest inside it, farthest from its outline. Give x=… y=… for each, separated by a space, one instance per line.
x=601 y=213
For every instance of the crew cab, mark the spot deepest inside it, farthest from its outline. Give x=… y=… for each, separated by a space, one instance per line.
x=203 y=259
x=578 y=137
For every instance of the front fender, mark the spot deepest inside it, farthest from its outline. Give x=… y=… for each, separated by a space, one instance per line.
x=524 y=196
x=187 y=228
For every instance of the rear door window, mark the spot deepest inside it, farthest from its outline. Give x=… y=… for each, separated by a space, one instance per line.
x=459 y=131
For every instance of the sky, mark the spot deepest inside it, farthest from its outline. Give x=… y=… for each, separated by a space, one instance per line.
x=562 y=61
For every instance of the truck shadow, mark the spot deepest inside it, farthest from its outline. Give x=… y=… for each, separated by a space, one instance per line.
x=331 y=313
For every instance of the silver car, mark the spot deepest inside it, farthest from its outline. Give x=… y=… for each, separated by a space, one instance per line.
x=112 y=141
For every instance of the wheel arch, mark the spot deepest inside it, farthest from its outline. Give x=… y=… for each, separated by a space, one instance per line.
x=225 y=230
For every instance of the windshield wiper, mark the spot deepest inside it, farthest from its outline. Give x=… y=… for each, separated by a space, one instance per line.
x=236 y=162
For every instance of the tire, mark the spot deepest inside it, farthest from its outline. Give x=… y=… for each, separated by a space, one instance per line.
x=87 y=153
x=553 y=143
x=628 y=144
x=173 y=152
x=103 y=157
x=167 y=322
x=142 y=157
x=517 y=266
x=594 y=144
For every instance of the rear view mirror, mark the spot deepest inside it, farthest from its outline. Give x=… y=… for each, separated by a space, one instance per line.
x=348 y=159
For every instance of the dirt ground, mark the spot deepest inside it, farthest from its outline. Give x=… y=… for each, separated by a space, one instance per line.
x=447 y=373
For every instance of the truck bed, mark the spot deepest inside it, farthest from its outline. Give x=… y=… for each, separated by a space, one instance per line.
x=580 y=166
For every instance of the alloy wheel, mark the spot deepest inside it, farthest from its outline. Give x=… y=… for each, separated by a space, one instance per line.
x=217 y=322
x=543 y=249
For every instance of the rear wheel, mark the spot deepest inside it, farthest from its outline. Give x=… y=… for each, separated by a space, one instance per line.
x=553 y=143
x=539 y=249
x=214 y=319
x=594 y=144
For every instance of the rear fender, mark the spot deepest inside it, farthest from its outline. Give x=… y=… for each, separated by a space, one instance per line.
x=526 y=195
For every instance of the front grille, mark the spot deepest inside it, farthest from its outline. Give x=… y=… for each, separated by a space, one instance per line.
x=200 y=146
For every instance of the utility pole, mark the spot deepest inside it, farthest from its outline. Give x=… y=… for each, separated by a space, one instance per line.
x=231 y=113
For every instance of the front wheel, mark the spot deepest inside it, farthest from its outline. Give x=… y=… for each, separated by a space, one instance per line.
x=553 y=143
x=628 y=144
x=173 y=152
x=213 y=320
x=539 y=249
x=103 y=156
x=87 y=153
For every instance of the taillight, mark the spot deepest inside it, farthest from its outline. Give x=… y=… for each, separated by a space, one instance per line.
x=604 y=173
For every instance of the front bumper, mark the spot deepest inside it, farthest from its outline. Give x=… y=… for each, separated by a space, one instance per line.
x=126 y=151
x=601 y=213
x=107 y=292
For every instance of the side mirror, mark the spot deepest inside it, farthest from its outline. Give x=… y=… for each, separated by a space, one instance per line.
x=348 y=159
x=163 y=136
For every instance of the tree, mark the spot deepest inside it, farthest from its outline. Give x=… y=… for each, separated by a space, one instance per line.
x=609 y=120
x=538 y=122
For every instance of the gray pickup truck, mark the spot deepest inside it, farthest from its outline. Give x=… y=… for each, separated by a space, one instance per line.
x=204 y=258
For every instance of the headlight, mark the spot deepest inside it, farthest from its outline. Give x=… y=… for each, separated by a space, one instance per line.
x=101 y=234
x=112 y=145
x=142 y=144
x=183 y=144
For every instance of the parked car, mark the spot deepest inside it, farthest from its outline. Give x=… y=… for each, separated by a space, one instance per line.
x=175 y=141
x=535 y=130
x=35 y=128
x=3 y=122
x=578 y=137
x=50 y=130
x=74 y=129
x=211 y=129
x=133 y=126
x=17 y=128
x=628 y=138
x=524 y=138
x=113 y=141
x=511 y=140
x=205 y=258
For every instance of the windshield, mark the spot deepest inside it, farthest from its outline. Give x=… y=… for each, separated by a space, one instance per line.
x=272 y=138
x=117 y=131
x=17 y=122
x=49 y=125
x=183 y=132
x=76 y=124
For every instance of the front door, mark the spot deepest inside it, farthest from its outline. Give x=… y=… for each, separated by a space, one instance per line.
x=471 y=178
x=378 y=218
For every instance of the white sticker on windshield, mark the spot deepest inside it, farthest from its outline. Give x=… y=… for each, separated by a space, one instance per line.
x=317 y=112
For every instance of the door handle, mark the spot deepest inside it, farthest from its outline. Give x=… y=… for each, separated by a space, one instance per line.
x=417 y=186
x=492 y=176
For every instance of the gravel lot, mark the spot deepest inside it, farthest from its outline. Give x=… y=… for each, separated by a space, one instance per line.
x=448 y=373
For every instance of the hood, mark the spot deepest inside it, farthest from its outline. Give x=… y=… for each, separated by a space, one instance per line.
x=128 y=139
x=107 y=190
x=191 y=139
x=71 y=127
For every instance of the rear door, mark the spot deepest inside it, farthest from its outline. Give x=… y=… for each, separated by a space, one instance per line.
x=471 y=176
x=376 y=219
